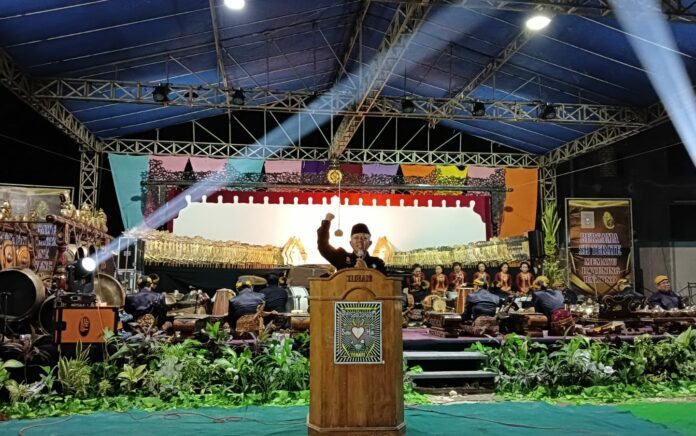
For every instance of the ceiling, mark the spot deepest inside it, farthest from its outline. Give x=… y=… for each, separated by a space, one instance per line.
x=296 y=46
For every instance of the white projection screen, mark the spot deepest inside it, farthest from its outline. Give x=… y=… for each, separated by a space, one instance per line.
x=408 y=222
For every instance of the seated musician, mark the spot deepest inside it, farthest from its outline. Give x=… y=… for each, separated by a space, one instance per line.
x=276 y=297
x=155 y=281
x=482 y=273
x=439 y=281
x=420 y=293
x=546 y=300
x=503 y=279
x=417 y=276
x=145 y=301
x=665 y=297
x=524 y=278
x=457 y=276
x=245 y=303
x=625 y=289
x=481 y=302
x=359 y=241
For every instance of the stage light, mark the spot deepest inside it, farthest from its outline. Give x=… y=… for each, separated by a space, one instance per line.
x=235 y=4
x=238 y=98
x=161 y=93
x=479 y=109
x=538 y=21
x=88 y=265
x=407 y=106
x=548 y=112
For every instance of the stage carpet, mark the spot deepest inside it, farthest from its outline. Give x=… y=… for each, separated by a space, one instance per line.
x=482 y=418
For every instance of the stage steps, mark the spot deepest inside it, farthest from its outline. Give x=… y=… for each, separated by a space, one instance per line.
x=445 y=371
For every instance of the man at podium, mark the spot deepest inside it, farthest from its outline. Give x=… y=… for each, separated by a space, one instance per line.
x=359 y=241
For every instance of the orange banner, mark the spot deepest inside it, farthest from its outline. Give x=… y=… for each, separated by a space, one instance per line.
x=519 y=212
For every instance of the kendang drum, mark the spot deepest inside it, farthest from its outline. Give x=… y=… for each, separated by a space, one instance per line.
x=21 y=293
x=221 y=301
x=298 y=299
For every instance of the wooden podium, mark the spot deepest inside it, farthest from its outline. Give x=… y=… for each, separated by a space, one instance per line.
x=356 y=354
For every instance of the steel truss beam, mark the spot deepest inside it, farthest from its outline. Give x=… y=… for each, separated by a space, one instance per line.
x=488 y=71
x=89 y=177
x=335 y=103
x=22 y=86
x=278 y=152
x=405 y=23
x=547 y=185
x=674 y=10
x=354 y=38
x=603 y=137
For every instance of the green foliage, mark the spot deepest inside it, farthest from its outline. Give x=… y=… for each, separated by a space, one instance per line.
x=550 y=222
x=149 y=373
x=130 y=377
x=75 y=374
x=585 y=370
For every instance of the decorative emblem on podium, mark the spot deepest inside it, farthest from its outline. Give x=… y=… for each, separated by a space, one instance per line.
x=358 y=332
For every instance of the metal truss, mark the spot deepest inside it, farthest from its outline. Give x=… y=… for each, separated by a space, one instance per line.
x=22 y=86
x=603 y=137
x=89 y=177
x=547 y=185
x=674 y=10
x=355 y=36
x=488 y=71
x=336 y=103
x=278 y=152
x=406 y=22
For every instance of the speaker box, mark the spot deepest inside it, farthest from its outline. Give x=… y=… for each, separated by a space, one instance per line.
x=536 y=244
x=84 y=324
x=131 y=254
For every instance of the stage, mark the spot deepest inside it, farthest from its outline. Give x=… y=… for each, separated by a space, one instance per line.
x=530 y=418
x=418 y=339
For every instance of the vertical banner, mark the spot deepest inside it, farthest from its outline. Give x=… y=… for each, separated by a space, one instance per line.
x=600 y=244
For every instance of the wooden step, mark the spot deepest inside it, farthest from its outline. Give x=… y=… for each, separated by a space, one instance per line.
x=443 y=355
x=451 y=375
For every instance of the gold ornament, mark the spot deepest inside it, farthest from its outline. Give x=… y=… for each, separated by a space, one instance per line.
x=334 y=176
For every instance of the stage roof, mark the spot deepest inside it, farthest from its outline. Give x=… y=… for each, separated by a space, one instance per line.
x=296 y=46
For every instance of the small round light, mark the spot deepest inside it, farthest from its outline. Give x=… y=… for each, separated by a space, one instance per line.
x=235 y=4
x=538 y=22
x=88 y=264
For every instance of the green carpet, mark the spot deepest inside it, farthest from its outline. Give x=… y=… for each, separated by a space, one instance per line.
x=680 y=417
x=485 y=419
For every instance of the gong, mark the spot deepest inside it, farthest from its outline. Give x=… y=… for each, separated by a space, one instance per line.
x=8 y=255
x=21 y=293
x=109 y=290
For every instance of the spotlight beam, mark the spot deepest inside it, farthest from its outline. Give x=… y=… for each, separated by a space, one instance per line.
x=654 y=44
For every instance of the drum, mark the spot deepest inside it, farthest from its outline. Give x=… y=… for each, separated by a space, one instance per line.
x=299 y=323
x=221 y=301
x=47 y=314
x=21 y=293
x=23 y=257
x=7 y=255
x=109 y=290
x=298 y=299
x=461 y=298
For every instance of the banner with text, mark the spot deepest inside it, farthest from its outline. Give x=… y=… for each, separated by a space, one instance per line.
x=600 y=244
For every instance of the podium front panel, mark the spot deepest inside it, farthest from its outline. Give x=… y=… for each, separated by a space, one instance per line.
x=356 y=354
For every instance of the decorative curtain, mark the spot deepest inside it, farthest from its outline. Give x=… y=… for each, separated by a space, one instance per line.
x=172 y=163
x=127 y=172
x=206 y=164
x=519 y=213
x=380 y=170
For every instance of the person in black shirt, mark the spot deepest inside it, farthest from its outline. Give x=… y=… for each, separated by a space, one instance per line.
x=481 y=302
x=359 y=242
x=276 y=297
x=245 y=303
x=665 y=297
x=546 y=300
x=145 y=301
